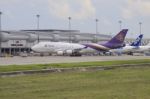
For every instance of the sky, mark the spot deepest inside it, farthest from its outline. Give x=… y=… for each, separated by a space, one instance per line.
x=21 y=14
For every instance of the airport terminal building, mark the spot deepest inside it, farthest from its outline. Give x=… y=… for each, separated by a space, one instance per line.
x=14 y=42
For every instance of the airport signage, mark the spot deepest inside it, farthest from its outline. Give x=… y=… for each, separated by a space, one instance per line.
x=16 y=43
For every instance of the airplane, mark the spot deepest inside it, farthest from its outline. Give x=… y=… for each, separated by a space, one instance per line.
x=60 y=48
x=143 y=49
x=75 y=49
x=130 y=49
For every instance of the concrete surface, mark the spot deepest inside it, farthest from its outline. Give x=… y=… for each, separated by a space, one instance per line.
x=62 y=59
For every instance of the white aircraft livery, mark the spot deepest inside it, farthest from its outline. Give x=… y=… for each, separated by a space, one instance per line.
x=142 y=49
x=60 y=48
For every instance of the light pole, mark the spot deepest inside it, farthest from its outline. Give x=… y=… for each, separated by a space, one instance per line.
x=140 y=23
x=0 y=35
x=96 y=25
x=69 y=26
x=96 y=20
x=38 y=17
x=120 y=24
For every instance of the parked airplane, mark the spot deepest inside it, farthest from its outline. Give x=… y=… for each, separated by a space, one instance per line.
x=61 y=48
x=143 y=49
x=130 y=49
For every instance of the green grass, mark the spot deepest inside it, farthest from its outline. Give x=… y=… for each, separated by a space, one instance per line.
x=66 y=65
x=129 y=83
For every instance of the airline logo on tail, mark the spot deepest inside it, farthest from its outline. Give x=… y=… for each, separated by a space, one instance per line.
x=120 y=37
x=118 y=40
x=137 y=42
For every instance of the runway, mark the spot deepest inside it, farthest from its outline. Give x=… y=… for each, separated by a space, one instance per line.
x=62 y=59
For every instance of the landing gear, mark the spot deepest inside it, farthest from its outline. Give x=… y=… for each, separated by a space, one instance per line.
x=41 y=54
x=130 y=53
x=75 y=54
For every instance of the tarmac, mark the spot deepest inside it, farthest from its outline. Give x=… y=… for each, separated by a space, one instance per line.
x=17 y=60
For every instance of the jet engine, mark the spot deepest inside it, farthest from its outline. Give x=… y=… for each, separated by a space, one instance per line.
x=68 y=52
x=60 y=53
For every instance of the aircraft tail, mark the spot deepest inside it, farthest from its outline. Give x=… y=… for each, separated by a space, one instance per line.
x=118 y=40
x=138 y=40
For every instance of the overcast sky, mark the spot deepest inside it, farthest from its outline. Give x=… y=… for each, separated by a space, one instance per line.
x=21 y=14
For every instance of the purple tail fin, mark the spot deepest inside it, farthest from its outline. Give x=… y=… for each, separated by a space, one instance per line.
x=118 y=40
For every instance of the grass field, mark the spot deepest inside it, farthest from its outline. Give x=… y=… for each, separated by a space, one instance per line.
x=123 y=83
x=69 y=65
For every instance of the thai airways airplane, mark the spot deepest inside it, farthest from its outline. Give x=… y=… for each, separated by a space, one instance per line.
x=74 y=49
x=60 y=48
x=130 y=49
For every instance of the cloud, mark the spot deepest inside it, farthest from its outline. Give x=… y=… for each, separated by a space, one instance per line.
x=8 y=2
x=136 y=8
x=78 y=9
